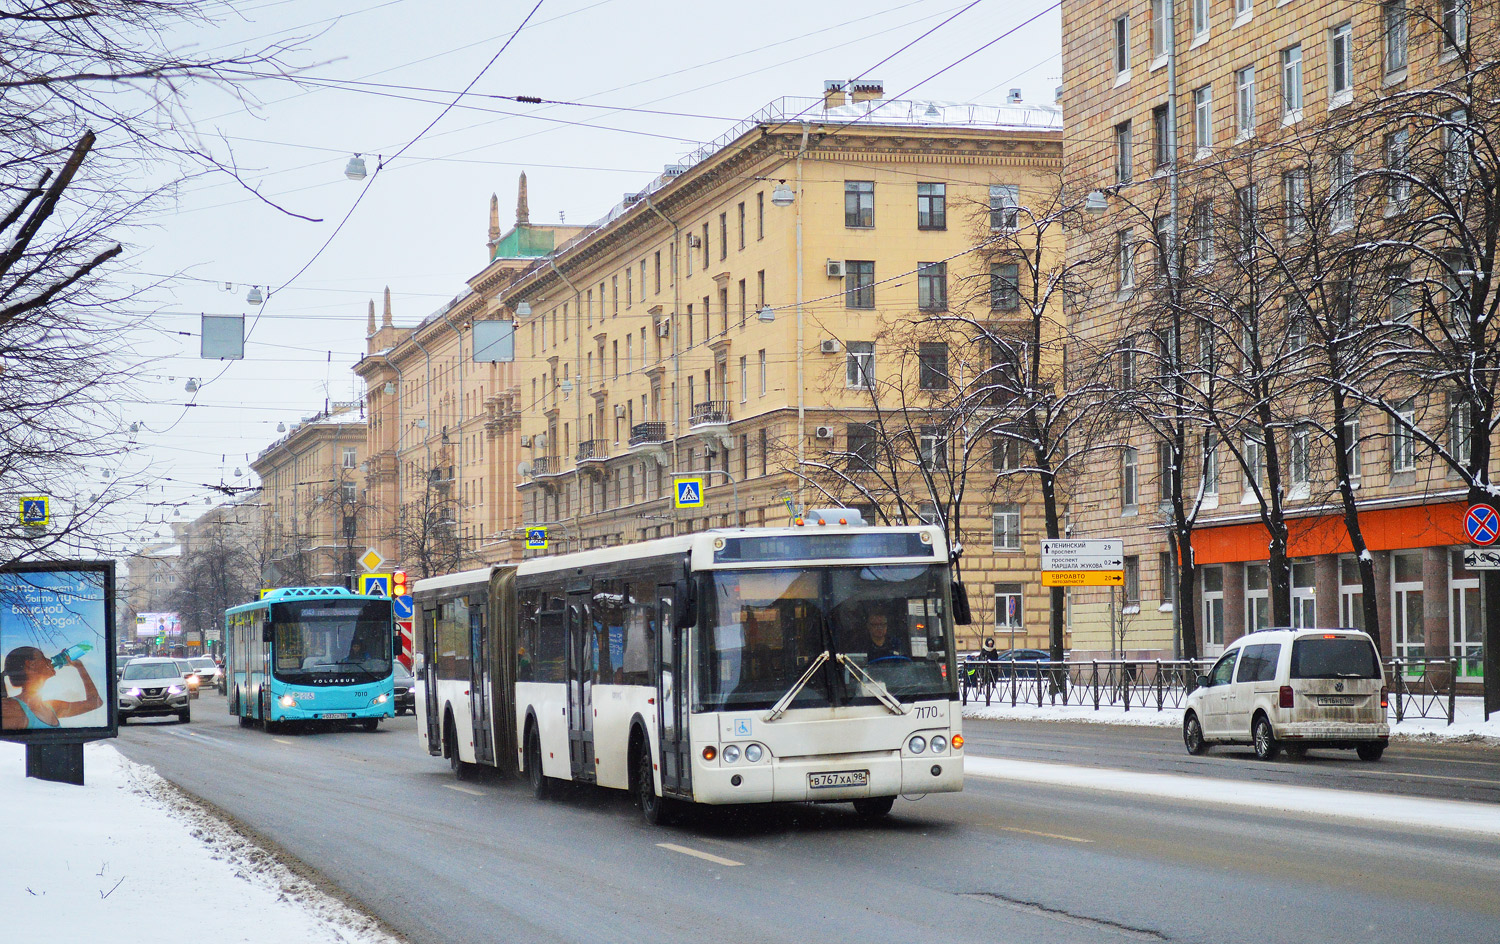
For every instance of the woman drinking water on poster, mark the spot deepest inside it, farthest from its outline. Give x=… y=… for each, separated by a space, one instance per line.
x=28 y=670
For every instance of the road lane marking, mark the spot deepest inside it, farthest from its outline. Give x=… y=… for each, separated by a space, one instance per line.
x=462 y=789
x=706 y=856
x=281 y=741
x=1032 y=832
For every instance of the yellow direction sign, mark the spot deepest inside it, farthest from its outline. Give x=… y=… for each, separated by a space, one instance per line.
x=1083 y=578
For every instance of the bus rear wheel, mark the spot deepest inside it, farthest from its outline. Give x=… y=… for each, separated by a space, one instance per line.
x=372 y=724
x=874 y=807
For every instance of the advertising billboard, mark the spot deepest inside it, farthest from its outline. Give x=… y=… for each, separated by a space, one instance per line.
x=57 y=680
x=152 y=625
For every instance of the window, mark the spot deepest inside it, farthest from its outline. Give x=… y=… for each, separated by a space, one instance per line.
x=1403 y=441
x=704 y=237
x=1211 y=466
x=1460 y=429
x=933 y=443
x=740 y=221
x=1341 y=185
x=724 y=235
x=932 y=286
x=657 y=280
x=1161 y=137
x=1457 y=148
x=1296 y=324
x=927 y=513
x=1399 y=290
x=744 y=378
x=762 y=371
x=1398 y=185
x=1009 y=616
x=1203 y=231
x=1167 y=575
x=1455 y=24
x=932 y=206
x=1125 y=260
x=348 y=496
x=1246 y=207
x=1244 y=101
x=1393 y=24
x=1352 y=447
x=1166 y=242
x=1005 y=202
x=859 y=284
x=1005 y=453
x=862 y=445
x=1122 y=153
x=859 y=366
x=1301 y=458
x=1127 y=364
x=350 y=457
x=1294 y=190
x=1255 y=465
x=765 y=450
x=932 y=358
x=1165 y=477
x=1007 y=527
x=1340 y=64
x=1291 y=82
x=1132 y=580
x=1203 y=118
x=1005 y=286
x=859 y=204
x=760 y=215
x=1122 y=45
x=1200 y=18
x=1242 y=8
x=1129 y=477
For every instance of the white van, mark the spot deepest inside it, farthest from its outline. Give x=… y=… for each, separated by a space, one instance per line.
x=1293 y=689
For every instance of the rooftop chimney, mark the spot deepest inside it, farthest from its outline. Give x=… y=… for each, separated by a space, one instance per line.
x=1014 y=98
x=867 y=90
x=833 y=94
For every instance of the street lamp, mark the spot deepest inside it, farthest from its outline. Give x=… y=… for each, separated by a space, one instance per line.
x=783 y=196
x=355 y=169
x=192 y=385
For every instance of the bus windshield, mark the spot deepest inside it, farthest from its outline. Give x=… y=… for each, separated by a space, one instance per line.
x=765 y=628
x=332 y=641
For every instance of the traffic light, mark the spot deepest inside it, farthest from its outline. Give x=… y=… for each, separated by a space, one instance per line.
x=398 y=584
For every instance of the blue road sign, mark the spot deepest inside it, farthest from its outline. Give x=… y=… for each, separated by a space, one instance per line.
x=1482 y=524
x=34 y=511
x=536 y=539
x=402 y=607
x=689 y=493
x=375 y=585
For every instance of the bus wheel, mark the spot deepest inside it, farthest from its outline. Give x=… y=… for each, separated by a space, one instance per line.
x=874 y=807
x=657 y=810
x=372 y=724
x=541 y=784
x=461 y=770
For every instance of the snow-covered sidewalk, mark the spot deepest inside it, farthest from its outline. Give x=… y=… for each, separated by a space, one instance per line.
x=1468 y=723
x=128 y=857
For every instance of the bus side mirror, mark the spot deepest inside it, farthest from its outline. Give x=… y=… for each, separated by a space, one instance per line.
x=265 y=632
x=962 y=615
x=684 y=604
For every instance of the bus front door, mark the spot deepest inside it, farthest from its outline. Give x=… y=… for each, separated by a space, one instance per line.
x=582 y=660
x=671 y=699
x=479 y=684
x=427 y=641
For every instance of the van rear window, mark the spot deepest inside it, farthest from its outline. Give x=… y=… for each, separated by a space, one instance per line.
x=1342 y=657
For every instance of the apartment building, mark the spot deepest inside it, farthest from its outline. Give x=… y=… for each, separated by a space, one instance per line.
x=315 y=506
x=444 y=437
x=1183 y=116
x=729 y=322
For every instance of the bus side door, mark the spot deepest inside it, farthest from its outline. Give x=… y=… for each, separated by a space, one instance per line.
x=427 y=636
x=480 y=682
x=671 y=698
x=582 y=660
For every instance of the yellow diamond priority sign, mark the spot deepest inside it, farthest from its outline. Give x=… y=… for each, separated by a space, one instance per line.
x=371 y=560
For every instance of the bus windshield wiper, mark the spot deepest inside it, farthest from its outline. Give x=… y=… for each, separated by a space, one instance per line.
x=881 y=692
x=779 y=709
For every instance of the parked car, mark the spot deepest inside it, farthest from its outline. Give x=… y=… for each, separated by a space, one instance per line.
x=154 y=687
x=405 y=686
x=208 y=672
x=1294 y=689
x=1021 y=662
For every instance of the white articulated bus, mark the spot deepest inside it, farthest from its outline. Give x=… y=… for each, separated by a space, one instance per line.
x=730 y=666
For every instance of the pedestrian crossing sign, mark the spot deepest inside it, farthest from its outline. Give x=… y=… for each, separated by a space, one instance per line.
x=536 y=539
x=689 y=492
x=375 y=585
x=34 y=511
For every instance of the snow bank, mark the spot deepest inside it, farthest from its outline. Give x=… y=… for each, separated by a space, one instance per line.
x=129 y=857
x=1468 y=722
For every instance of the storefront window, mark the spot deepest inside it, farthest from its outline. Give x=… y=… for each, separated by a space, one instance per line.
x=1213 y=610
x=1351 y=594
x=1466 y=626
x=1257 y=597
x=1304 y=599
x=1408 y=627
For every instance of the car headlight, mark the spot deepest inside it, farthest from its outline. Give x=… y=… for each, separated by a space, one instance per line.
x=939 y=744
x=753 y=753
x=731 y=754
x=133 y=692
x=917 y=744
x=175 y=690
x=288 y=701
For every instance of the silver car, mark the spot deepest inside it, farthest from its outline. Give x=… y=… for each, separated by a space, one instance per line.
x=154 y=687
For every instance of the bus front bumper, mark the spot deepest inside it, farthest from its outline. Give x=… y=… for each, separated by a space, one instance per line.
x=280 y=712
x=792 y=780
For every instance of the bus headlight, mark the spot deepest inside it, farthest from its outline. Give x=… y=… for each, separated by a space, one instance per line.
x=731 y=754
x=381 y=699
x=753 y=753
x=939 y=744
x=288 y=701
x=917 y=744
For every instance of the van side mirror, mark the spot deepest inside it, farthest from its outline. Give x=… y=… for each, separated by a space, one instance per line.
x=684 y=604
x=962 y=614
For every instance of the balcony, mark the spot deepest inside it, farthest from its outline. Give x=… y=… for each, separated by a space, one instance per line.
x=544 y=466
x=710 y=416
x=592 y=452
x=648 y=435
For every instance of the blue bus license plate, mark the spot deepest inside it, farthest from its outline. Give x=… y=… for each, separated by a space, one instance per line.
x=839 y=778
x=335 y=715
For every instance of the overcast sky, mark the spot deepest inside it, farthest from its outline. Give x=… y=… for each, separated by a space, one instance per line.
x=422 y=222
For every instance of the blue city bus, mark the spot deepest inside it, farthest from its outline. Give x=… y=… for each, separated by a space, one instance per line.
x=303 y=654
